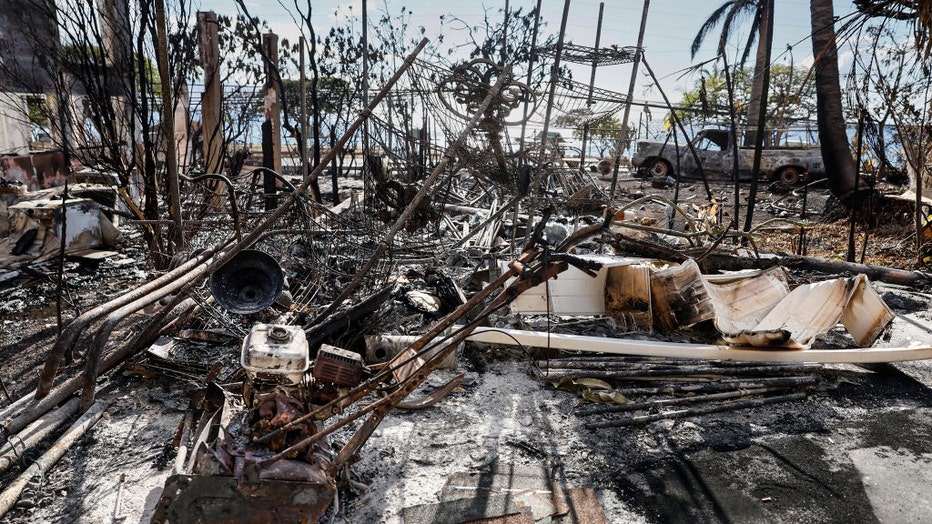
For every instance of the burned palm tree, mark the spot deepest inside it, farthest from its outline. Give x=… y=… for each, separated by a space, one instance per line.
x=916 y=11
x=833 y=138
x=730 y=15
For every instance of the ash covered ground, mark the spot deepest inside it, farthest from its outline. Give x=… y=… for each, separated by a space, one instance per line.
x=855 y=449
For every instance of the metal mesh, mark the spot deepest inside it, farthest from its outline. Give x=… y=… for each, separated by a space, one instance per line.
x=409 y=135
x=603 y=56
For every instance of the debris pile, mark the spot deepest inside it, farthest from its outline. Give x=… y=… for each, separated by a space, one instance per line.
x=656 y=388
x=298 y=328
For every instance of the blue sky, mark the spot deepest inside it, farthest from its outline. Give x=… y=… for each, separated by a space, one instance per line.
x=671 y=27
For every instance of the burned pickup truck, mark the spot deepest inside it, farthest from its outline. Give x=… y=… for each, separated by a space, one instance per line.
x=712 y=151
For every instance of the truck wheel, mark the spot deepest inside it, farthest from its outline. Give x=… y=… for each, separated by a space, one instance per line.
x=789 y=175
x=660 y=169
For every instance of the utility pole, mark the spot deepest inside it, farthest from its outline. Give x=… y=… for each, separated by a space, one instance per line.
x=542 y=179
x=168 y=130
x=623 y=134
x=302 y=148
x=595 y=64
x=211 y=131
x=367 y=184
x=271 y=128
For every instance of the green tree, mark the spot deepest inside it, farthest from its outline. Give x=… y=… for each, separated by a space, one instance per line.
x=790 y=102
x=603 y=134
x=731 y=15
x=603 y=129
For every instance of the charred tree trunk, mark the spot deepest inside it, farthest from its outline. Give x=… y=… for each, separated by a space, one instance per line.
x=150 y=187
x=271 y=128
x=762 y=76
x=761 y=67
x=836 y=152
x=725 y=262
x=315 y=93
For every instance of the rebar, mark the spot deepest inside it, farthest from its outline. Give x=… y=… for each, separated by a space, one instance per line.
x=698 y=411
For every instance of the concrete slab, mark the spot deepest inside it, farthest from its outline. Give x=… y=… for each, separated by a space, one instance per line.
x=883 y=471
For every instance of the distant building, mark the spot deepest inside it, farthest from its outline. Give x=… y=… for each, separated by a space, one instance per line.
x=15 y=131
x=28 y=44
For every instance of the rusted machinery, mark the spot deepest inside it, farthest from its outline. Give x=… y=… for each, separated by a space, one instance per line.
x=269 y=444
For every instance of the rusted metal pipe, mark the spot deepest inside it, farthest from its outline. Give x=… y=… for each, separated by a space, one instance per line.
x=434 y=397
x=91 y=359
x=71 y=332
x=16 y=445
x=44 y=463
x=381 y=404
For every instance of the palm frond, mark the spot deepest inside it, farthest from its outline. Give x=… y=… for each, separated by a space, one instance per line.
x=729 y=16
x=918 y=12
x=708 y=26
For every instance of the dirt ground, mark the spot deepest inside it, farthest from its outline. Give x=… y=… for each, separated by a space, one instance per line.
x=854 y=450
